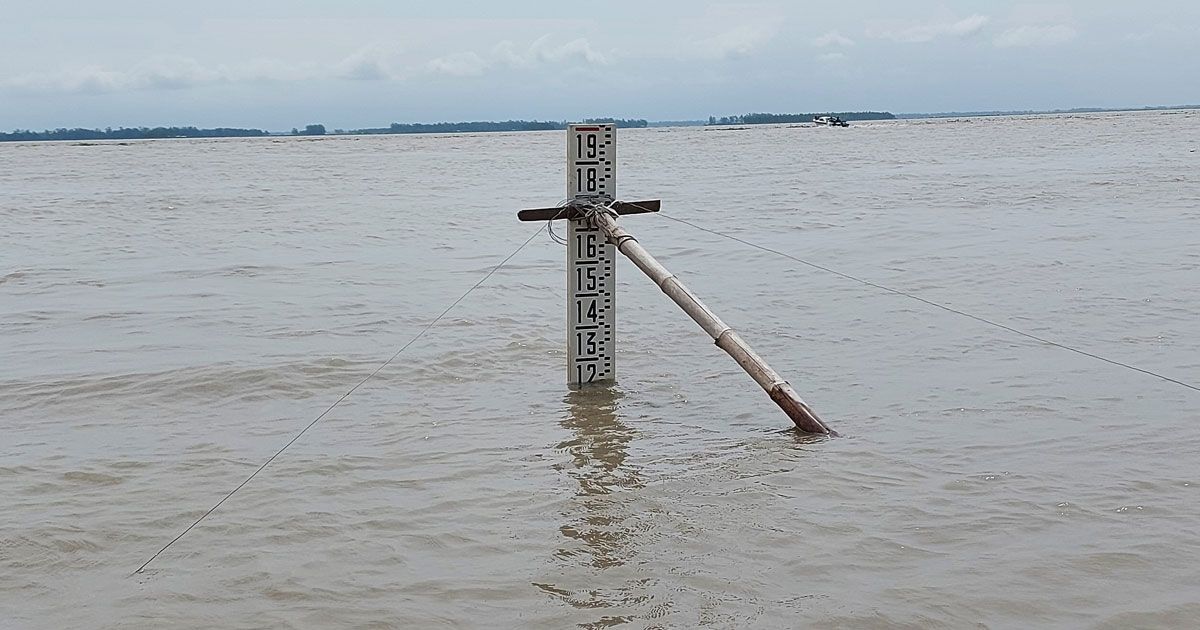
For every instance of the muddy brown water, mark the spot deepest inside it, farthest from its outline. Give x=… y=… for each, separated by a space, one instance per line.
x=172 y=312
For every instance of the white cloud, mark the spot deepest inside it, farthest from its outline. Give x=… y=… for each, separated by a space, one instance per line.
x=576 y=50
x=742 y=40
x=917 y=32
x=373 y=62
x=463 y=64
x=542 y=51
x=87 y=79
x=173 y=73
x=739 y=41
x=163 y=73
x=832 y=38
x=1025 y=36
x=268 y=71
x=176 y=73
x=370 y=63
x=714 y=31
x=831 y=56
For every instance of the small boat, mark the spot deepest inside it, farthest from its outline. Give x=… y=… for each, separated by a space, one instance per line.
x=829 y=121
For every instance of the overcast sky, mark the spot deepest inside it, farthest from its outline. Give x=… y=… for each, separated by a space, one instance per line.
x=277 y=64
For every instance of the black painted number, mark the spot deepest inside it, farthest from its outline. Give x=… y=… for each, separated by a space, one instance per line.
x=585 y=278
x=587 y=142
x=589 y=313
x=585 y=342
x=585 y=245
x=586 y=372
x=585 y=179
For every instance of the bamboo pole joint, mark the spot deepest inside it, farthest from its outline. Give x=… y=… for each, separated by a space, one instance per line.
x=603 y=216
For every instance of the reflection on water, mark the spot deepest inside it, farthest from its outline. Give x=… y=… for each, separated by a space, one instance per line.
x=597 y=531
x=598 y=452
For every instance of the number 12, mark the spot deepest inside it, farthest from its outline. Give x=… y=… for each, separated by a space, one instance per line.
x=591 y=372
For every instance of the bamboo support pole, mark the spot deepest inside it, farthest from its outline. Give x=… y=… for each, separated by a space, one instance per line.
x=726 y=339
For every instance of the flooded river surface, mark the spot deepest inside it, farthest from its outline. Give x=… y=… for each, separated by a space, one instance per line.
x=173 y=312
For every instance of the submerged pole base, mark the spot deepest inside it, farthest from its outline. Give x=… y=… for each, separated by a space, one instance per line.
x=778 y=389
x=797 y=410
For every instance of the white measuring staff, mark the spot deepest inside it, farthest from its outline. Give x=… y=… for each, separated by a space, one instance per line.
x=591 y=260
x=592 y=214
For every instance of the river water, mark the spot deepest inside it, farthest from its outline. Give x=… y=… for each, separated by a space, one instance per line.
x=173 y=312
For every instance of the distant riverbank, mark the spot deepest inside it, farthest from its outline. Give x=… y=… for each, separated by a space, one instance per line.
x=129 y=133
x=147 y=133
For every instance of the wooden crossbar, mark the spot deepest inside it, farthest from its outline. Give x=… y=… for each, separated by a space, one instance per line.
x=572 y=212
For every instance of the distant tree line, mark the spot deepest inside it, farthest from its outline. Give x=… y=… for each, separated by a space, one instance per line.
x=143 y=133
x=487 y=126
x=462 y=127
x=309 y=130
x=622 y=123
x=129 y=133
x=766 y=119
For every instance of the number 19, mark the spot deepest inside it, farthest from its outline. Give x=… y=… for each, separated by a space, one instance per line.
x=591 y=144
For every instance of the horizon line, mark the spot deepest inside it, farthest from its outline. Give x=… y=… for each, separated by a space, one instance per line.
x=650 y=122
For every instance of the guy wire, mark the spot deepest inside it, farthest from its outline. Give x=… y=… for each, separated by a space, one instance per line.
x=339 y=400
x=943 y=307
